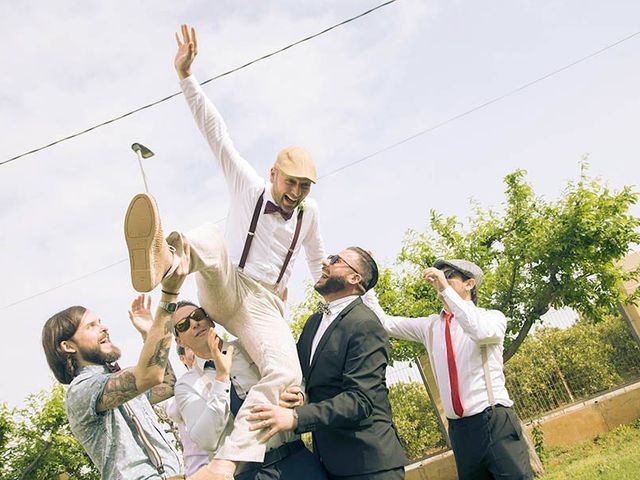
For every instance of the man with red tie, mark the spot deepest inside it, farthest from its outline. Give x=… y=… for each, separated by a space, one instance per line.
x=464 y=343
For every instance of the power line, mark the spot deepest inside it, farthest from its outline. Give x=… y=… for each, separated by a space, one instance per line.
x=485 y=104
x=393 y=145
x=224 y=74
x=66 y=283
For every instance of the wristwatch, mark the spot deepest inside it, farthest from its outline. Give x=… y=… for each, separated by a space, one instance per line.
x=168 y=306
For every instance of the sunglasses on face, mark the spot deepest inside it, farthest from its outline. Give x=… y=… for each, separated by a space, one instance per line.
x=333 y=259
x=183 y=324
x=449 y=274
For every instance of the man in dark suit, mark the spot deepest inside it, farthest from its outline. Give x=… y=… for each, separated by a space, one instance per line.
x=344 y=353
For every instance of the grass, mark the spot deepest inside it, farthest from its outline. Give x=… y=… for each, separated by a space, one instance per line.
x=612 y=456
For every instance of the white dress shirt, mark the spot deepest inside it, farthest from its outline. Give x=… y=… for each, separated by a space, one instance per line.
x=194 y=456
x=205 y=403
x=335 y=308
x=471 y=327
x=273 y=234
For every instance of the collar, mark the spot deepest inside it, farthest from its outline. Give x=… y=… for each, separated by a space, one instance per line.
x=198 y=364
x=336 y=306
x=94 y=368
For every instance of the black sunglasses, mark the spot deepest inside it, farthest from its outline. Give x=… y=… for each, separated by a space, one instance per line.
x=183 y=324
x=336 y=258
x=448 y=274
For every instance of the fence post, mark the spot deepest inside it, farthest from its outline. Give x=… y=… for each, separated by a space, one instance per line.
x=631 y=312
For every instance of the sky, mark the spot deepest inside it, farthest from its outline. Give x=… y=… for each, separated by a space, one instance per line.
x=345 y=95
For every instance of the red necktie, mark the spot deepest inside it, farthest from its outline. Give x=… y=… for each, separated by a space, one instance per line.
x=271 y=207
x=451 y=362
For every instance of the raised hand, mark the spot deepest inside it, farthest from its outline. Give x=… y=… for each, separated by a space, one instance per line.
x=140 y=314
x=187 y=51
x=221 y=360
x=436 y=278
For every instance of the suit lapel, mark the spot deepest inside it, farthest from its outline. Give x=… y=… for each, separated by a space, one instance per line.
x=327 y=333
x=306 y=339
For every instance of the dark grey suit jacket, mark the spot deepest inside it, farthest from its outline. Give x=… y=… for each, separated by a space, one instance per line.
x=346 y=394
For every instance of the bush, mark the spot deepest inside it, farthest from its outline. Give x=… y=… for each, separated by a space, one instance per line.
x=415 y=420
x=557 y=367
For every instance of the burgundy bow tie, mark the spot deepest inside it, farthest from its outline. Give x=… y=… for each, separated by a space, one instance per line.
x=271 y=207
x=113 y=367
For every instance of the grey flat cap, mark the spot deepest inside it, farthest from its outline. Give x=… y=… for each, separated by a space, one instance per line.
x=466 y=267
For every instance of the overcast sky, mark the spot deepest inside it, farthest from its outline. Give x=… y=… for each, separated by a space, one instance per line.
x=352 y=92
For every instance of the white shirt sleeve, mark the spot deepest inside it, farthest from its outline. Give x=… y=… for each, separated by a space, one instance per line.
x=240 y=175
x=484 y=327
x=314 y=245
x=205 y=419
x=404 y=328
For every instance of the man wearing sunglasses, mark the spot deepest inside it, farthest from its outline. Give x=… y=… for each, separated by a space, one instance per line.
x=343 y=351
x=241 y=276
x=464 y=343
x=210 y=394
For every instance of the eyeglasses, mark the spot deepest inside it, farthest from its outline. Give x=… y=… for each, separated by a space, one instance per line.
x=184 y=323
x=333 y=259
x=449 y=274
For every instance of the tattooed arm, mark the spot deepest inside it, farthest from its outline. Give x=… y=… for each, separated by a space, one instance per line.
x=150 y=370
x=165 y=389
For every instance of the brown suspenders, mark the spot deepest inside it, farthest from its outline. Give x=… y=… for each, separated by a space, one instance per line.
x=252 y=231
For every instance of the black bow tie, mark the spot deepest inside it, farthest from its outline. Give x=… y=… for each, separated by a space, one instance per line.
x=271 y=207
x=209 y=364
x=323 y=308
x=113 y=367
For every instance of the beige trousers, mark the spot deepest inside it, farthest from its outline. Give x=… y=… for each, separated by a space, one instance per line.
x=255 y=316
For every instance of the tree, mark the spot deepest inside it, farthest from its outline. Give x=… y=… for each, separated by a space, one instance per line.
x=36 y=441
x=536 y=254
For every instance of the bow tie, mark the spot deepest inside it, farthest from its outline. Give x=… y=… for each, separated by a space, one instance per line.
x=209 y=364
x=271 y=207
x=323 y=308
x=113 y=367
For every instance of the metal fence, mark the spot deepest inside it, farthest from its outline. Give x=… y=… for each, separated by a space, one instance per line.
x=556 y=368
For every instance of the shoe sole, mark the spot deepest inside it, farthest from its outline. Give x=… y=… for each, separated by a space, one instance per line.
x=141 y=225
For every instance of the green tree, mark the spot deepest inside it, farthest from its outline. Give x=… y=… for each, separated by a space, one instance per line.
x=36 y=441
x=536 y=254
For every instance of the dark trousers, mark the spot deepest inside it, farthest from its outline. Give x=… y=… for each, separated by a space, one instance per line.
x=301 y=465
x=490 y=445
x=393 y=474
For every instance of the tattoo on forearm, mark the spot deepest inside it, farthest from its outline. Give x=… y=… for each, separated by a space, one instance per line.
x=165 y=389
x=168 y=326
x=160 y=355
x=120 y=388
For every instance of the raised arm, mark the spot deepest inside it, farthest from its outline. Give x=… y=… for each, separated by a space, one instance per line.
x=142 y=319
x=404 y=328
x=238 y=173
x=152 y=363
x=207 y=417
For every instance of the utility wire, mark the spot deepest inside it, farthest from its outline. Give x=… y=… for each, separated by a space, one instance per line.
x=224 y=74
x=393 y=145
x=66 y=283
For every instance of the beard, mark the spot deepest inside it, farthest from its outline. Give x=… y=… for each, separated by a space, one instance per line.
x=333 y=284
x=97 y=356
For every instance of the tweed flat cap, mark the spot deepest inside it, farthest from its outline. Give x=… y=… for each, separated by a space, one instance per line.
x=296 y=162
x=466 y=267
